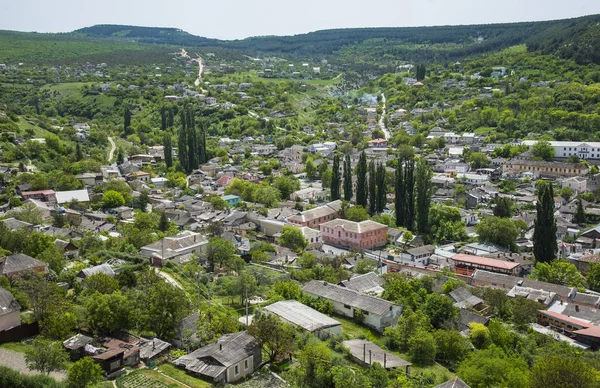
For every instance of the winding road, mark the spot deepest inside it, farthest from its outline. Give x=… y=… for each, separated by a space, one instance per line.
x=386 y=131
x=113 y=147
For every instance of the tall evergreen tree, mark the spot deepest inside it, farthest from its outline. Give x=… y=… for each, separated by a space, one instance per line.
x=544 y=234
x=347 y=178
x=372 y=188
x=424 y=192
x=335 y=178
x=163 y=118
x=182 y=143
x=399 y=192
x=579 y=216
x=361 y=181
x=126 y=119
x=170 y=118
x=120 y=156
x=167 y=143
x=381 y=187
x=78 y=152
x=192 y=146
x=409 y=193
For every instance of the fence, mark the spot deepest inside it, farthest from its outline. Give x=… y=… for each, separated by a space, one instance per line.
x=19 y=333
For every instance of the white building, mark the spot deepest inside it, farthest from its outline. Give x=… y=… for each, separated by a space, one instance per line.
x=564 y=149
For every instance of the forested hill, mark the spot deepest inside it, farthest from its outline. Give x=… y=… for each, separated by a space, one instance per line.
x=577 y=38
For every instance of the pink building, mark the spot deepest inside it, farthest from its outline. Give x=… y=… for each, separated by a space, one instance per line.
x=376 y=143
x=358 y=235
x=315 y=217
x=40 y=195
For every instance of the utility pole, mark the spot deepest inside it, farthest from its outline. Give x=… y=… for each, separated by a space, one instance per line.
x=246 y=297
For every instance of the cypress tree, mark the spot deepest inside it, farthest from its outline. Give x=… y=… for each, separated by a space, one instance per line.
x=163 y=222
x=424 y=192
x=78 y=152
x=335 y=178
x=347 y=178
x=372 y=188
x=182 y=143
x=361 y=182
x=126 y=119
x=167 y=143
x=170 y=118
x=399 y=193
x=544 y=235
x=163 y=118
x=579 y=216
x=201 y=134
x=409 y=194
x=192 y=146
x=381 y=188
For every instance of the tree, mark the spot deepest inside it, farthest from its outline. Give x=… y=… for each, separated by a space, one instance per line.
x=570 y=371
x=492 y=367
x=335 y=179
x=218 y=251
x=78 y=152
x=112 y=199
x=408 y=325
x=101 y=283
x=380 y=181
x=478 y=160
x=364 y=266
x=160 y=307
x=424 y=191
x=361 y=181
x=288 y=289
x=566 y=192
x=524 y=311
x=347 y=178
x=46 y=356
x=505 y=207
x=543 y=150
x=593 y=276
x=275 y=337
x=343 y=379
x=310 y=169
x=168 y=149
x=544 y=234
x=440 y=310
x=372 y=189
x=108 y=313
x=579 y=216
x=501 y=231
x=558 y=272
x=421 y=348
x=83 y=373
x=142 y=200
x=286 y=185
x=164 y=223
x=314 y=364
x=479 y=335
x=126 y=119
x=451 y=347
x=421 y=70
x=357 y=214
x=292 y=237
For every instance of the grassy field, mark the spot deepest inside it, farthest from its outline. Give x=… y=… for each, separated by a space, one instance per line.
x=183 y=377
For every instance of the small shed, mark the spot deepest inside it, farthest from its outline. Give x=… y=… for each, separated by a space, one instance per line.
x=76 y=346
x=366 y=352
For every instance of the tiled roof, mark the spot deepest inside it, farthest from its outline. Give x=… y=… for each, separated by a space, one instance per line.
x=354 y=227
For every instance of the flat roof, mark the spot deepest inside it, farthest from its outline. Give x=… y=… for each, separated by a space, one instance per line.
x=486 y=262
x=301 y=315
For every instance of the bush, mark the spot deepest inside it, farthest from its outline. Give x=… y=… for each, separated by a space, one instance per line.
x=12 y=378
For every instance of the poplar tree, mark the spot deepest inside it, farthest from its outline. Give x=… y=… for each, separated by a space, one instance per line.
x=579 y=216
x=409 y=194
x=163 y=118
x=372 y=189
x=399 y=194
x=544 y=234
x=168 y=150
x=182 y=143
x=126 y=119
x=361 y=182
x=424 y=192
x=347 y=178
x=381 y=187
x=192 y=143
x=335 y=178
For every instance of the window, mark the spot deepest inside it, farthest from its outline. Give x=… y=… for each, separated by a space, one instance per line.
x=246 y=366
x=347 y=307
x=237 y=370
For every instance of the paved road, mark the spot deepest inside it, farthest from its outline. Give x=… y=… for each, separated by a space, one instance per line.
x=112 y=149
x=16 y=361
x=386 y=131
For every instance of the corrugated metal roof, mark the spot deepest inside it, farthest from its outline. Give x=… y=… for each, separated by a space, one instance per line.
x=301 y=315
x=8 y=303
x=348 y=297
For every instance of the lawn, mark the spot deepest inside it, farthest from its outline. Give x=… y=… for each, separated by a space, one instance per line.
x=183 y=377
x=16 y=346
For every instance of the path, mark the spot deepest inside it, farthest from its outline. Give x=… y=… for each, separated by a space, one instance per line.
x=168 y=278
x=113 y=146
x=386 y=131
x=16 y=361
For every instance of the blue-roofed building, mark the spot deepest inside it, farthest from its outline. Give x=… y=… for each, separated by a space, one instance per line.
x=232 y=200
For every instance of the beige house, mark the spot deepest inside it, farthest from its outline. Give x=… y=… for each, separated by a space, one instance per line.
x=10 y=315
x=229 y=359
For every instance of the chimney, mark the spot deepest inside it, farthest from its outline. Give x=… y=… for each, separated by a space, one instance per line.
x=220 y=346
x=576 y=307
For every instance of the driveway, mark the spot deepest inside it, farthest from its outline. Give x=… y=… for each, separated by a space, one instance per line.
x=16 y=361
